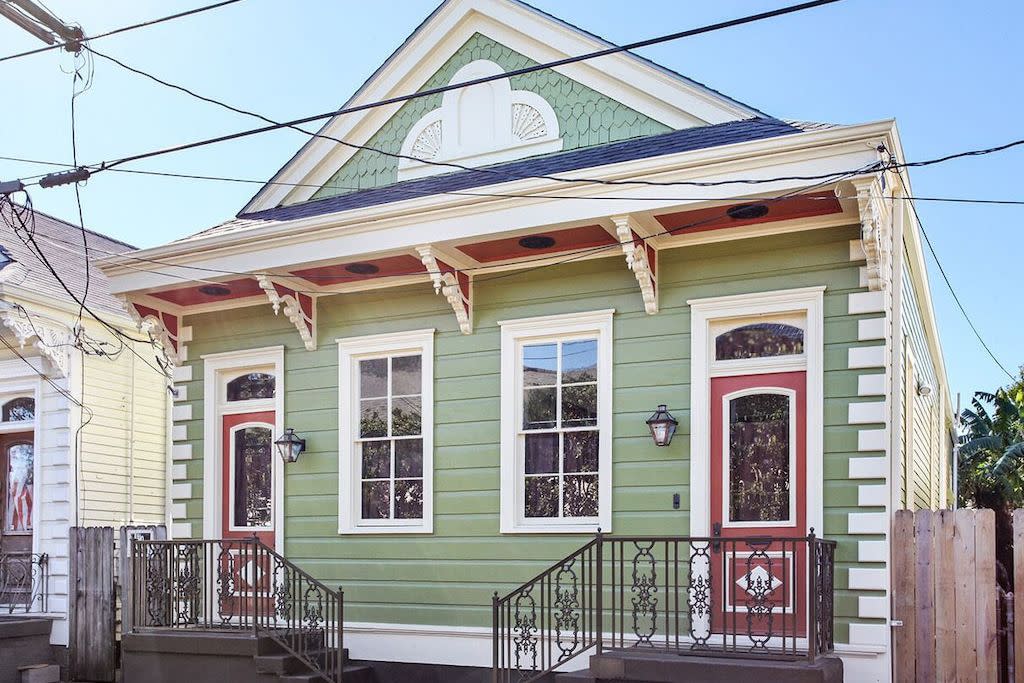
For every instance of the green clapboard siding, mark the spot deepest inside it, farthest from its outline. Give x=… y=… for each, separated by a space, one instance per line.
x=585 y=116
x=447 y=578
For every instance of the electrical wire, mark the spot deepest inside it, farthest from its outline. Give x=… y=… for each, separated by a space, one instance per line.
x=485 y=79
x=123 y=29
x=949 y=284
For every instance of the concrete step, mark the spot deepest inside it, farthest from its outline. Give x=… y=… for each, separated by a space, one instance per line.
x=640 y=666
x=286 y=663
x=352 y=674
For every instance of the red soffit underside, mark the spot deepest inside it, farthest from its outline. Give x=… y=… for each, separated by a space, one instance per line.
x=338 y=273
x=191 y=296
x=565 y=240
x=716 y=218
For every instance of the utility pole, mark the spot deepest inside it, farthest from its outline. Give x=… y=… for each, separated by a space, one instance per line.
x=36 y=20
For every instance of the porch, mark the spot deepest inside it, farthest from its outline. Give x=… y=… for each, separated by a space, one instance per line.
x=640 y=605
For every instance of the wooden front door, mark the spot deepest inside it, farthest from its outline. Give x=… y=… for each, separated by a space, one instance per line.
x=247 y=495
x=17 y=493
x=759 y=490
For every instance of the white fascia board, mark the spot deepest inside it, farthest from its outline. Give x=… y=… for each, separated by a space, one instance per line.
x=400 y=225
x=626 y=78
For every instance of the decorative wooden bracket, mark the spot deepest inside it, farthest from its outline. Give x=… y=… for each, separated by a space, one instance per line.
x=163 y=325
x=875 y=230
x=641 y=258
x=456 y=286
x=299 y=308
x=52 y=339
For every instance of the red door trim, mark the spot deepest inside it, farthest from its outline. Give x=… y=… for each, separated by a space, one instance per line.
x=230 y=422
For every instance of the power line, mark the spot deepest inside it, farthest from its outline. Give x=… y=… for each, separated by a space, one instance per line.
x=510 y=195
x=123 y=29
x=949 y=284
x=453 y=86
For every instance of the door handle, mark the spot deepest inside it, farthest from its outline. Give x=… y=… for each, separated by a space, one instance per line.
x=716 y=531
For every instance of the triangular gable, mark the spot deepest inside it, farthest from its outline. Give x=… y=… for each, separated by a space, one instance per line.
x=586 y=103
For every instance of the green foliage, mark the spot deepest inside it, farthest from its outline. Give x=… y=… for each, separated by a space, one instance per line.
x=991 y=462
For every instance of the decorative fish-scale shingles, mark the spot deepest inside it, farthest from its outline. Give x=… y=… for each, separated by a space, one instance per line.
x=585 y=116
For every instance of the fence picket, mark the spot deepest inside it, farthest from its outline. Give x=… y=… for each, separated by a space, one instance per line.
x=924 y=590
x=1018 y=595
x=945 y=598
x=985 y=584
x=966 y=634
x=904 y=561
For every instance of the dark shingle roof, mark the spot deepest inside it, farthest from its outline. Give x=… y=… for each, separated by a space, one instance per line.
x=687 y=139
x=61 y=243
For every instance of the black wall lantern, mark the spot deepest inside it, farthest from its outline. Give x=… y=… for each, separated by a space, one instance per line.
x=289 y=445
x=662 y=426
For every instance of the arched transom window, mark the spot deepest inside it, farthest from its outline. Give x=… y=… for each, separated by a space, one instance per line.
x=251 y=386
x=21 y=409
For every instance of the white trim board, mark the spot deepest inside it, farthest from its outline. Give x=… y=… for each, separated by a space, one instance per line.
x=810 y=302
x=215 y=365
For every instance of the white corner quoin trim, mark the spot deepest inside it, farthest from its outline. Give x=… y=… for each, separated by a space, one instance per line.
x=514 y=333
x=808 y=301
x=350 y=351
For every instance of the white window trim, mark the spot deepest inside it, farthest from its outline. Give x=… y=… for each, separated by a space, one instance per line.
x=514 y=333
x=705 y=312
x=350 y=351
x=231 y=476
x=218 y=368
x=791 y=396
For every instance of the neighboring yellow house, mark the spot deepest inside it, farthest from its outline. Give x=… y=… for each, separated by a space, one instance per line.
x=84 y=421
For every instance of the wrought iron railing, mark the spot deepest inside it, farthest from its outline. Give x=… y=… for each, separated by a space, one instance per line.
x=24 y=583
x=239 y=584
x=763 y=597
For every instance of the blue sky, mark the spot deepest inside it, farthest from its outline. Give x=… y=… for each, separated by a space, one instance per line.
x=948 y=72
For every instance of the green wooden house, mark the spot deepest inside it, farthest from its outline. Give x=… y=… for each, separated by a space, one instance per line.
x=437 y=361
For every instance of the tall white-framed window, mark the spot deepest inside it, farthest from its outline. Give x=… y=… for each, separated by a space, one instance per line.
x=556 y=423
x=386 y=433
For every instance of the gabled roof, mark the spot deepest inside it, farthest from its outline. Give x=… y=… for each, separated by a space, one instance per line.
x=61 y=243
x=684 y=140
x=662 y=94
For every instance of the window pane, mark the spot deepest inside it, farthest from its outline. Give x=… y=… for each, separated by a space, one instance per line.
x=409 y=499
x=541 y=453
x=373 y=418
x=406 y=376
x=541 y=497
x=408 y=459
x=759 y=340
x=406 y=416
x=376 y=500
x=759 y=441
x=539 y=408
x=247 y=387
x=373 y=378
x=580 y=496
x=19 y=410
x=253 y=451
x=376 y=459
x=580 y=451
x=579 y=405
x=540 y=365
x=20 y=489
x=579 y=361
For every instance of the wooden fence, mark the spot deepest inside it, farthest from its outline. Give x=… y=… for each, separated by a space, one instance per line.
x=91 y=614
x=945 y=595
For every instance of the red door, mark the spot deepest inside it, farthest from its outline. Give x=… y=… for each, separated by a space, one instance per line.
x=247 y=510
x=759 y=492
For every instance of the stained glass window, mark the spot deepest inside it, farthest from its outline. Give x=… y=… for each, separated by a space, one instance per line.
x=20 y=489
x=759 y=340
x=390 y=437
x=759 y=458
x=559 y=429
x=252 y=385
x=253 y=477
x=19 y=410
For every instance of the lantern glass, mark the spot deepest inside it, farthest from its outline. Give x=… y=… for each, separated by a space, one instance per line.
x=290 y=445
x=662 y=426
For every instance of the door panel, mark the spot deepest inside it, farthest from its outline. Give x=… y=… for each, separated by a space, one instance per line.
x=17 y=492
x=759 y=490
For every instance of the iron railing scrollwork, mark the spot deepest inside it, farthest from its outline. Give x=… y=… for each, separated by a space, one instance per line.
x=239 y=584
x=759 y=596
x=24 y=583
